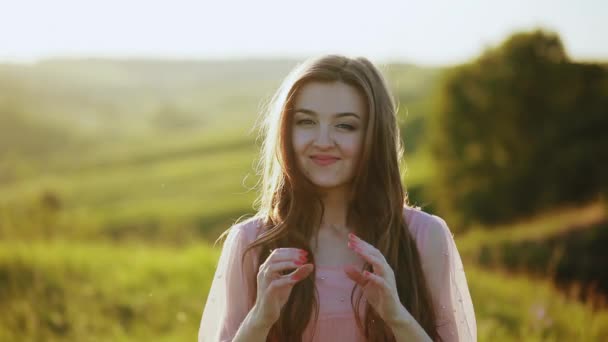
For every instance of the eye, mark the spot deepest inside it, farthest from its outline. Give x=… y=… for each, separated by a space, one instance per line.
x=348 y=127
x=302 y=121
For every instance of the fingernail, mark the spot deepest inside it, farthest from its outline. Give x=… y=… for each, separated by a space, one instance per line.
x=366 y=273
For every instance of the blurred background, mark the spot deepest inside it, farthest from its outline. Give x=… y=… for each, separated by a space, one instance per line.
x=126 y=148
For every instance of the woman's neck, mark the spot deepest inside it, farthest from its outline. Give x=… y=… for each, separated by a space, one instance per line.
x=335 y=202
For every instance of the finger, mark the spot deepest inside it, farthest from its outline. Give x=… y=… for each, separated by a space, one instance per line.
x=280 y=283
x=370 y=253
x=301 y=272
x=354 y=274
x=366 y=245
x=375 y=279
x=379 y=265
x=291 y=279
x=284 y=265
x=285 y=254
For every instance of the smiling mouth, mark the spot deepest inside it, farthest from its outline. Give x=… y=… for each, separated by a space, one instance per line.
x=324 y=161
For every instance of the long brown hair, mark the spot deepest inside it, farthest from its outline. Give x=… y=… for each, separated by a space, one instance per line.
x=291 y=208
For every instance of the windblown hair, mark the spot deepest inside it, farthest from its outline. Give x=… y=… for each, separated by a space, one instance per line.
x=291 y=207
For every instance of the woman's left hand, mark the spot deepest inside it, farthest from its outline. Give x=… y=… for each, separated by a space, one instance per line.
x=379 y=287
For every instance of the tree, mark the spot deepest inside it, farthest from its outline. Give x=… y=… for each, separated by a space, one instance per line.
x=517 y=130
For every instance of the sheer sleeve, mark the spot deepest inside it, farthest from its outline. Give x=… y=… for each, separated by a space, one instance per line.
x=448 y=284
x=232 y=292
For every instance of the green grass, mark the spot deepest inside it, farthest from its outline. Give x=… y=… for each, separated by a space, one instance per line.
x=108 y=271
x=158 y=189
x=126 y=256
x=99 y=292
x=174 y=186
x=542 y=226
x=65 y=290
x=511 y=307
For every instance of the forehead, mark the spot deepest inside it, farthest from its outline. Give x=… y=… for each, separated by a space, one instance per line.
x=330 y=98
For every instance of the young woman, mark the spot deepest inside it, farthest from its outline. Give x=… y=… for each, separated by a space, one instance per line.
x=335 y=253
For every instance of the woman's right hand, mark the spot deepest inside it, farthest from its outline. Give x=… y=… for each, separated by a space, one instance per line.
x=273 y=287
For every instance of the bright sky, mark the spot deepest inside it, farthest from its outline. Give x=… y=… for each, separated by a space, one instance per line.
x=422 y=32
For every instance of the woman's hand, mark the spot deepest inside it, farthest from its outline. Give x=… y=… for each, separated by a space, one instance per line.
x=379 y=287
x=273 y=287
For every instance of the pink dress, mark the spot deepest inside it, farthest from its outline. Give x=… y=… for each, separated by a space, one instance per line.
x=232 y=292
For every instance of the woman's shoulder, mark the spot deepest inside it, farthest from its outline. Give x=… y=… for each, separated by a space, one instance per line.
x=248 y=228
x=420 y=222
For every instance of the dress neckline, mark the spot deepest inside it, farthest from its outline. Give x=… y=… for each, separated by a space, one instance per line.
x=331 y=268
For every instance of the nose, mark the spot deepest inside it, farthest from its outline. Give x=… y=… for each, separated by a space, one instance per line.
x=323 y=138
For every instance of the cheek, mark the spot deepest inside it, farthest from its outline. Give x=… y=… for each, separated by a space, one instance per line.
x=300 y=141
x=352 y=147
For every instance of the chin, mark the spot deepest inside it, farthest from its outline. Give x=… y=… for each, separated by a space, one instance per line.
x=326 y=184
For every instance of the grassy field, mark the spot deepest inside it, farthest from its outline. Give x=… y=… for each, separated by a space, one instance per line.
x=109 y=239
x=176 y=186
x=127 y=260
x=65 y=290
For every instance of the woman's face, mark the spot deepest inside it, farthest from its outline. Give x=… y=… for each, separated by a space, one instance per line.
x=328 y=129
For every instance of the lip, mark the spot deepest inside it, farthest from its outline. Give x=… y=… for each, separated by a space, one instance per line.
x=324 y=160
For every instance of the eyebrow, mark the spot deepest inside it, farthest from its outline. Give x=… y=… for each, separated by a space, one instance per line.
x=339 y=115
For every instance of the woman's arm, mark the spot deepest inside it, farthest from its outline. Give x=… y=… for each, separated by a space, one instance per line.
x=252 y=329
x=232 y=293
x=405 y=328
x=380 y=289
x=447 y=282
x=234 y=310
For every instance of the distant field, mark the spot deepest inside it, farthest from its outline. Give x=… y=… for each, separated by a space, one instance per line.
x=136 y=286
x=94 y=291
x=98 y=292
x=184 y=187
x=116 y=176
